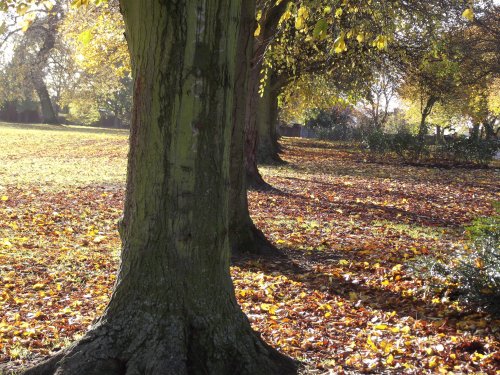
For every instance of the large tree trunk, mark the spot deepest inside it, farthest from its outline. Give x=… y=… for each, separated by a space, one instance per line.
x=173 y=309
x=267 y=119
x=268 y=24
x=253 y=177
x=244 y=236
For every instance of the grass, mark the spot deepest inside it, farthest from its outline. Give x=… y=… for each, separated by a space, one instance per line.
x=61 y=156
x=413 y=231
x=342 y=299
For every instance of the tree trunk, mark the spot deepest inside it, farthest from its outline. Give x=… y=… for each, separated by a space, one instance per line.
x=268 y=24
x=474 y=133
x=253 y=177
x=439 y=134
x=489 y=129
x=244 y=236
x=49 y=115
x=173 y=309
x=423 y=129
x=267 y=119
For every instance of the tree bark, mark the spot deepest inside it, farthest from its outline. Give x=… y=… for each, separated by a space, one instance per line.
x=267 y=118
x=439 y=135
x=253 y=177
x=49 y=115
x=268 y=24
x=173 y=308
x=423 y=128
x=489 y=130
x=475 y=131
x=244 y=236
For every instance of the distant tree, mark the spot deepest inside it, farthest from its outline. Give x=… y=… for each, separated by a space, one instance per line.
x=378 y=96
x=456 y=71
x=337 y=123
x=102 y=84
x=33 y=52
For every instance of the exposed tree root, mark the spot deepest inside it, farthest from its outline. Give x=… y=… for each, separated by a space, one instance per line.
x=179 y=347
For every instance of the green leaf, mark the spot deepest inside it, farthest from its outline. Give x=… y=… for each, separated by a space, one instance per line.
x=319 y=31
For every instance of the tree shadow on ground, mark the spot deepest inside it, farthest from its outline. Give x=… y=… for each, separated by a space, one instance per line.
x=365 y=211
x=346 y=161
x=302 y=268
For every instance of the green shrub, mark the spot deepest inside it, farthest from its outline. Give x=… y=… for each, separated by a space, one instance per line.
x=377 y=142
x=478 y=275
x=410 y=148
x=404 y=144
x=473 y=273
x=407 y=146
x=473 y=151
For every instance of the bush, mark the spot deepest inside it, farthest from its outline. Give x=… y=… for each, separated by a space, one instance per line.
x=410 y=148
x=472 y=274
x=377 y=142
x=404 y=144
x=478 y=275
x=334 y=124
x=474 y=151
x=407 y=146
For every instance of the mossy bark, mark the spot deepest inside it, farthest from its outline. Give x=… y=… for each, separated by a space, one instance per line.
x=173 y=308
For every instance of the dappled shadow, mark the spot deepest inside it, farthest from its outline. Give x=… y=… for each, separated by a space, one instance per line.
x=318 y=272
x=349 y=227
x=366 y=212
x=387 y=203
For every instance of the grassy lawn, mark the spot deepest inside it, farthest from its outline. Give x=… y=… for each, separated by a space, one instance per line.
x=61 y=156
x=342 y=299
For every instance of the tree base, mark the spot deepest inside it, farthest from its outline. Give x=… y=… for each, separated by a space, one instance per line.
x=255 y=181
x=169 y=346
x=251 y=240
x=271 y=158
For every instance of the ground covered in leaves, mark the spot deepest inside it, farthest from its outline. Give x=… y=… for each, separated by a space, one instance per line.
x=342 y=300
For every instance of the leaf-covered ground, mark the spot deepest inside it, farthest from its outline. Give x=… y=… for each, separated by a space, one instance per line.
x=341 y=300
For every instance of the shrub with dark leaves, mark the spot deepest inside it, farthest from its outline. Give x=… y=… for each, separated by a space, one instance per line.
x=471 y=274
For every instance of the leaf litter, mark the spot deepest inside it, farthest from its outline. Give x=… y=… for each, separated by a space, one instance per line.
x=341 y=298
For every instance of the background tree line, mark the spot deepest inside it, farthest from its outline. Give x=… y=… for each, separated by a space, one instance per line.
x=69 y=66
